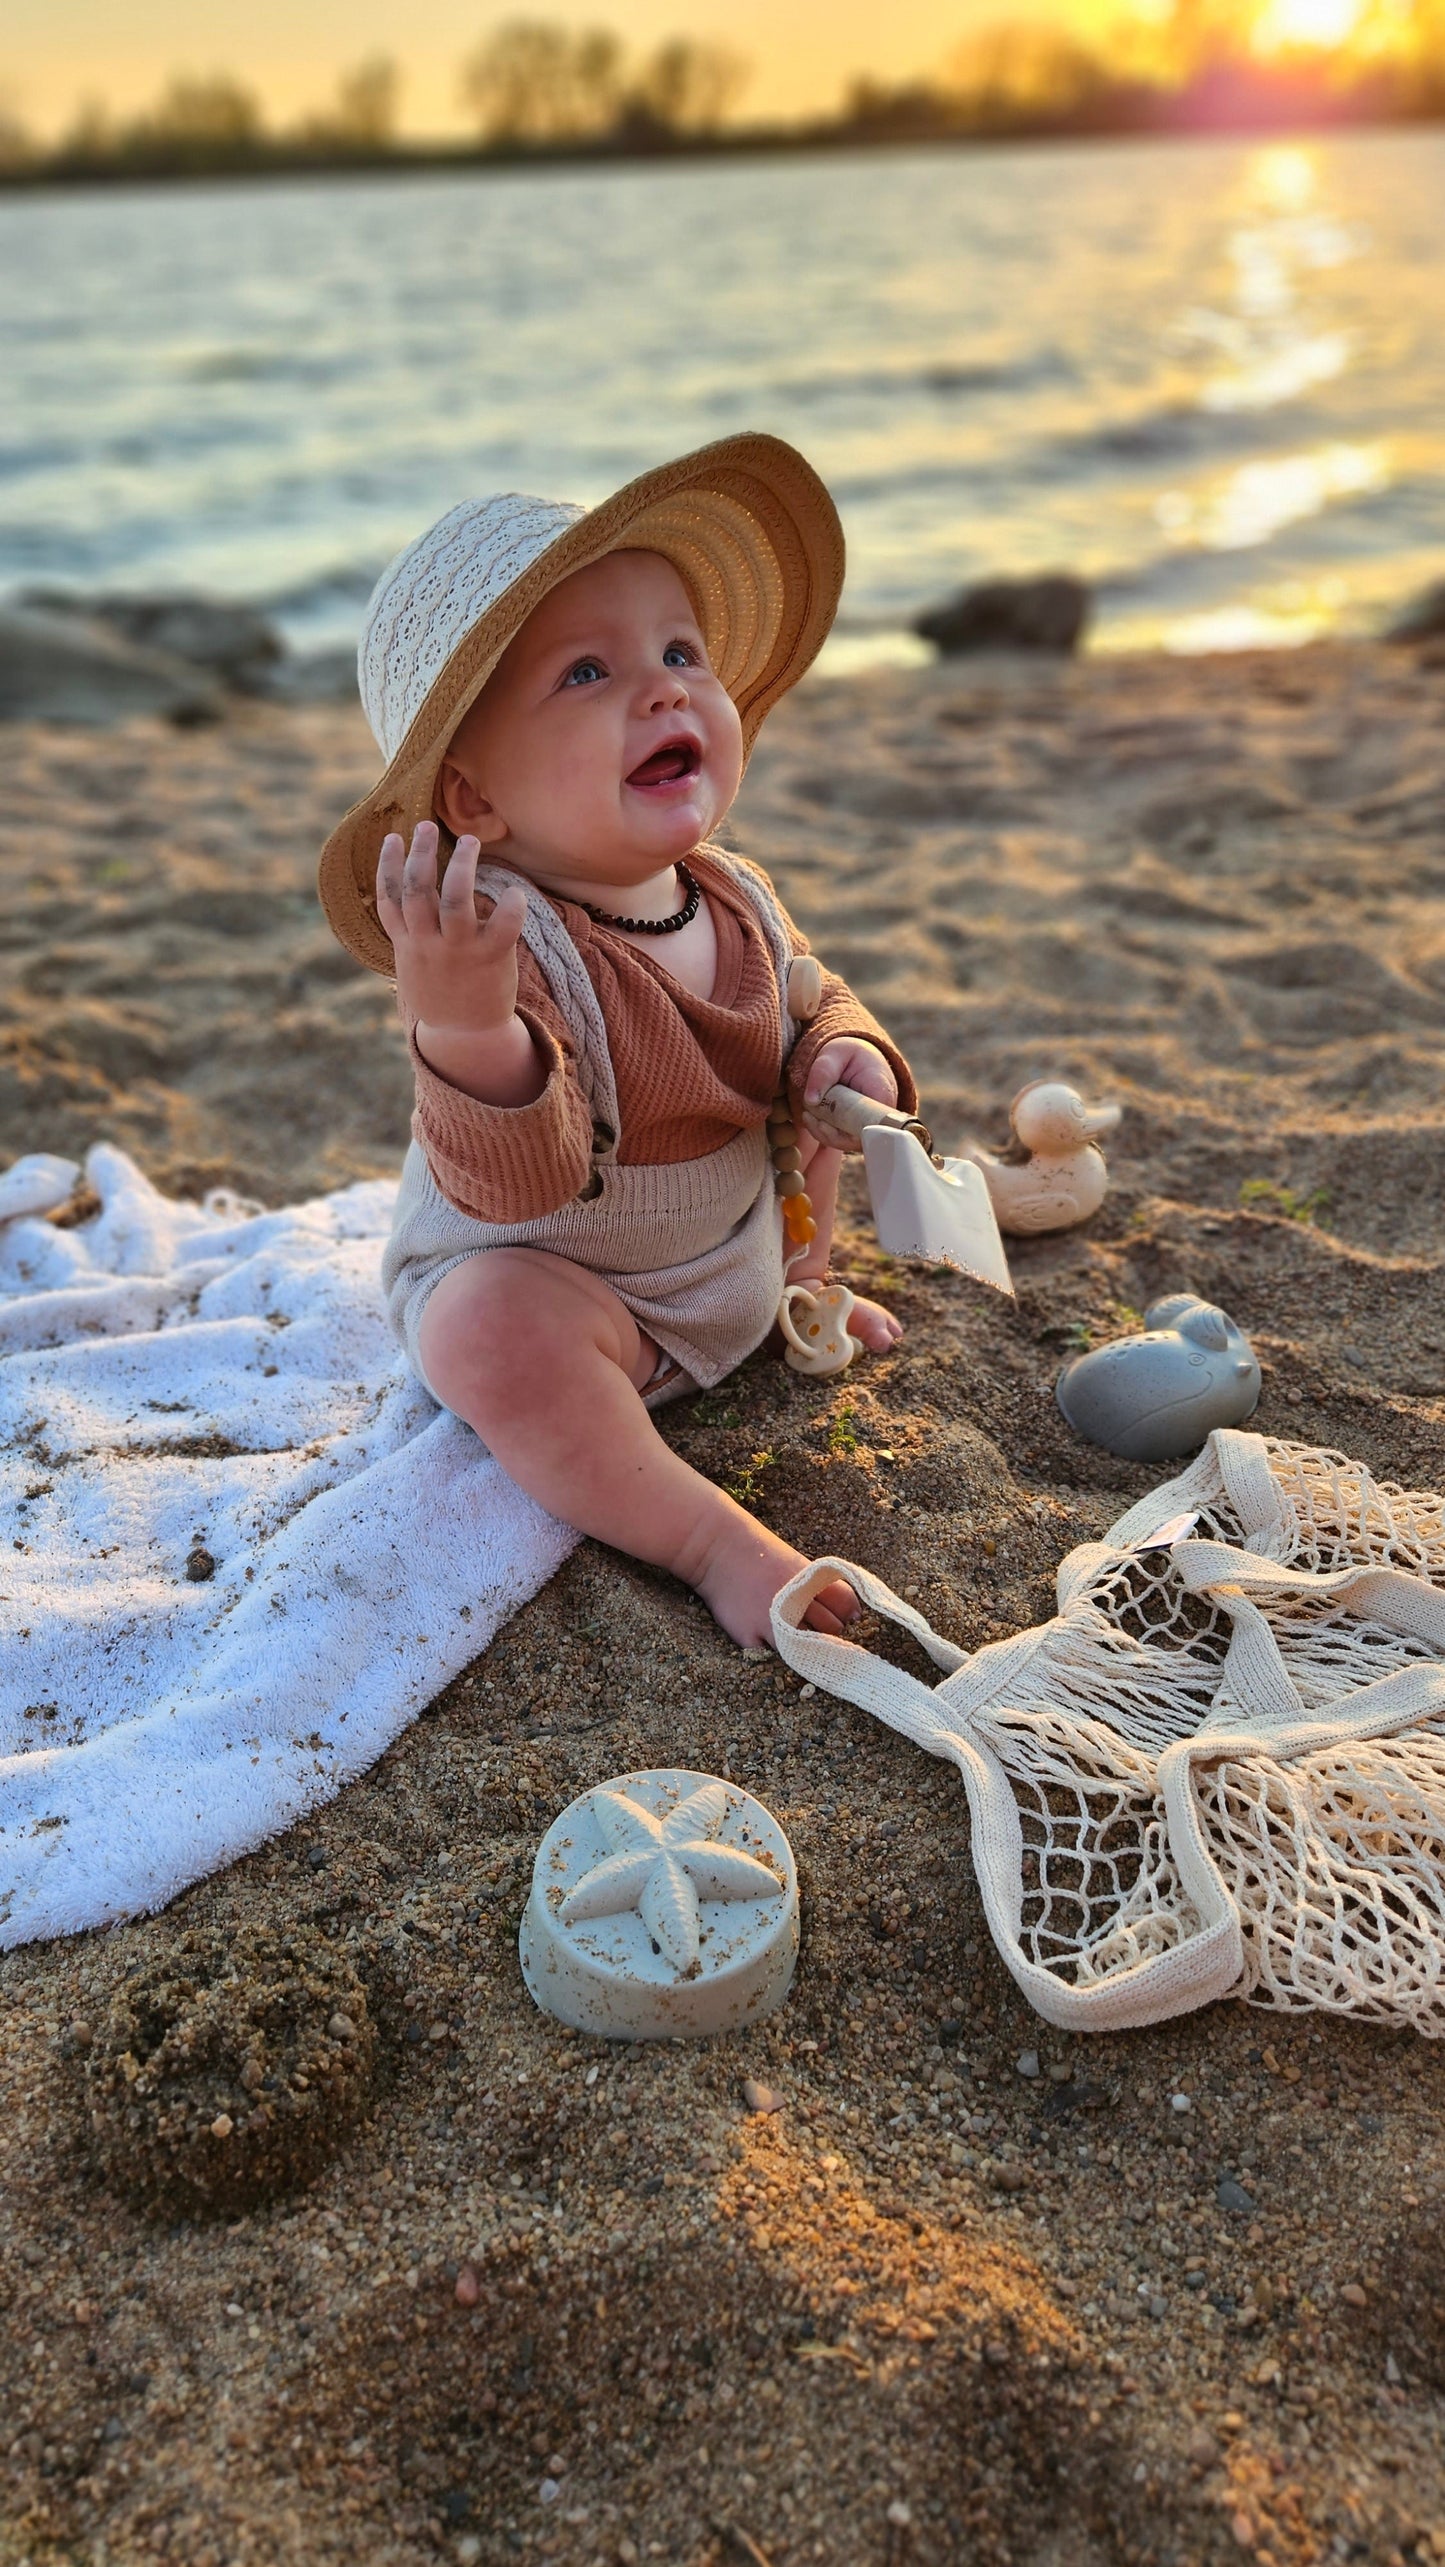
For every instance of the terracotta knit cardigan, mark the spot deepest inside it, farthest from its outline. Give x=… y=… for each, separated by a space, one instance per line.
x=690 y=1072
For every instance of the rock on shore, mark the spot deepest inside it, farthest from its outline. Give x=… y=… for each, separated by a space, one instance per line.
x=68 y=668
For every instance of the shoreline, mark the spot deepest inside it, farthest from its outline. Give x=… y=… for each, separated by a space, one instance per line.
x=914 y=2318
x=431 y=160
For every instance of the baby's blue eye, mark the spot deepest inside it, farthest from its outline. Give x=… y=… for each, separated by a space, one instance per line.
x=677 y=655
x=584 y=673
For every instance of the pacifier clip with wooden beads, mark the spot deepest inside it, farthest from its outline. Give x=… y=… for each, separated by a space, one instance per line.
x=822 y=1345
x=805 y=997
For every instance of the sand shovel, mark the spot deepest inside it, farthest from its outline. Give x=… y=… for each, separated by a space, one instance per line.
x=923 y=1205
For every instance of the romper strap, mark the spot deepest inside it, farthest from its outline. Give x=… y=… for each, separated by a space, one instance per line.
x=565 y=974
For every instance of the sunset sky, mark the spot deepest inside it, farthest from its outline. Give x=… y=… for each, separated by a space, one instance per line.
x=54 y=52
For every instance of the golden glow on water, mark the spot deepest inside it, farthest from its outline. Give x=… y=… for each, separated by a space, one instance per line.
x=1284 y=176
x=1218 y=401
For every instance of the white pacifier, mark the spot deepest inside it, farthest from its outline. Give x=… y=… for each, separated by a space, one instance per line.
x=819 y=1343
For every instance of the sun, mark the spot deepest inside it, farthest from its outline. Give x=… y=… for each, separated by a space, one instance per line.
x=1320 y=24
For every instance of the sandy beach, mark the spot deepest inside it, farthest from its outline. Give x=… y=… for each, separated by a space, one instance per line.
x=932 y=2309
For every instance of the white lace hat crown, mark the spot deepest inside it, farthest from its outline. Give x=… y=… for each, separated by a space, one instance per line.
x=428 y=599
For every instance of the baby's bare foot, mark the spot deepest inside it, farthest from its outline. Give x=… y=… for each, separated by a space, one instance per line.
x=745 y=1568
x=874 y=1327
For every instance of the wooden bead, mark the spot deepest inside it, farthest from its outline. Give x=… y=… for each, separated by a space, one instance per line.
x=788 y=1183
x=781 y=1127
x=805 y=987
x=785 y=1161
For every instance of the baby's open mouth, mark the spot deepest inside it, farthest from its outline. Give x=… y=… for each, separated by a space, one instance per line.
x=676 y=762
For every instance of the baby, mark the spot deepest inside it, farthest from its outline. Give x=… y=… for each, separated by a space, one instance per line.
x=596 y=997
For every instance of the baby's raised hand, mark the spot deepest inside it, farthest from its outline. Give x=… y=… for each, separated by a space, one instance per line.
x=848 y=1062
x=455 y=973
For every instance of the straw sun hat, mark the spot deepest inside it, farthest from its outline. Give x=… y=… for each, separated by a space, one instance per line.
x=747 y=525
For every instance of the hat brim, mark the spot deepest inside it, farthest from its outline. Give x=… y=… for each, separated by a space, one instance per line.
x=755 y=538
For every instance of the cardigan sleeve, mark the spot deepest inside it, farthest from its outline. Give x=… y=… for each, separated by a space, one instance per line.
x=508 y=1162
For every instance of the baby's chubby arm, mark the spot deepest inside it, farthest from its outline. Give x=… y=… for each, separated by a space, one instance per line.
x=456 y=974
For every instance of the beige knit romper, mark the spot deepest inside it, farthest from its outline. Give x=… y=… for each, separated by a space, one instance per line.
x=694 y=1250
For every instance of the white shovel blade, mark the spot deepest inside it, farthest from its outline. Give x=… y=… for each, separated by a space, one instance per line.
x=944 y=1214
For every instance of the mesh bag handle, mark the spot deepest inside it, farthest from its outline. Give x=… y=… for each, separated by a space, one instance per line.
x=841 y=1667
x=1201 y=1964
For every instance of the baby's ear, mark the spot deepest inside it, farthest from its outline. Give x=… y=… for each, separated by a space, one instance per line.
x=465 y=810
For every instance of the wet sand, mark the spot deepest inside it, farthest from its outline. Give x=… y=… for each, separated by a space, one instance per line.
x=932 y=2309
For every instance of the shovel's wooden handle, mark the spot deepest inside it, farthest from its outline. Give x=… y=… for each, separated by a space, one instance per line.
x=853 y=1113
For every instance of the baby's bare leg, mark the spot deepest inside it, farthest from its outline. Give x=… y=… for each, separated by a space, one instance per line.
x=547 y=1364
x=868 y=1321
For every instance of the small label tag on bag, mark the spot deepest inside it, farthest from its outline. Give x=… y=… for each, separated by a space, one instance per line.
x=1173 y=1530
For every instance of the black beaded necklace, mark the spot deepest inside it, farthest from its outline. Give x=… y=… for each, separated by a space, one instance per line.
x=682 y=917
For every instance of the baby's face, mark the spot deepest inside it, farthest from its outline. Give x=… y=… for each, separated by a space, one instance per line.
x=603 y=747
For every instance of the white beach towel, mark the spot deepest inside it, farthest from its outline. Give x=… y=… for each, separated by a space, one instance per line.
x=1220 y=1769
x=184 y=1384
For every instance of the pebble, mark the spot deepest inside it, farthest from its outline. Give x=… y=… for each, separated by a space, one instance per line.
x=760 y=2098
x=548 y=2492
x=1010 y=2179
x=252 y=2075
x=82 y=2034
x=1027 y=2063
x=467 y=2287
x=222 y=2126
x=1202 y=2448
x=900 y=2514
x=1158 y=2305
x=1232 y=2196
x=341 y=2028
x=1181 y=2103
x=1355 y=2296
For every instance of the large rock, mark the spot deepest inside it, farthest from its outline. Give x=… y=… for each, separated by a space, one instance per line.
x=312 y=677
x=232 y=643
x=1423 y=619
x=1045 y=614
x=61 y=668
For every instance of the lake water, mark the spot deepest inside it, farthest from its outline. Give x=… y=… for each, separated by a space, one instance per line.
x=1210 y=376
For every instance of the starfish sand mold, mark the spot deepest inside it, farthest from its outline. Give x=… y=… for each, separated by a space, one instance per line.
x=665 y=1868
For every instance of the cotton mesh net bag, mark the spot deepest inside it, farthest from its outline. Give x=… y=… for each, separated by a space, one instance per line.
x=1220 y=1768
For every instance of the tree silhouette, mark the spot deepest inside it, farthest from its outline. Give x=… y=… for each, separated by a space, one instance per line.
x=688 y=87
x=211 y=118
x=368 y=98
x=533 y=82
